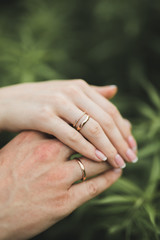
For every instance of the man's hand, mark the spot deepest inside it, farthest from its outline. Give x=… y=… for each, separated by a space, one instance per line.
x=36 y=184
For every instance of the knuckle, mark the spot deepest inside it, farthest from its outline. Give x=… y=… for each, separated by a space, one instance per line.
x=60 y=175
x=92 y=189
x=73 y=89
x=74 y=137
x=57 y=144
x=59 y=99
x=94 y=129
x=61 y=203
x=81 y=82
x=45 y=150
x=112 y=154
x=55 y=148
x=113 y=111
x=108 y=124
x=45 y=113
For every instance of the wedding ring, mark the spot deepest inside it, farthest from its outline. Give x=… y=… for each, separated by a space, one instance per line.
x=79 y=127
x=82 y=169
x=74 y=125
x=83 y=123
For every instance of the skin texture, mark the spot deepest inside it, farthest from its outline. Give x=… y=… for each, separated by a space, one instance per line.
x=37 y=184
x=54 y=106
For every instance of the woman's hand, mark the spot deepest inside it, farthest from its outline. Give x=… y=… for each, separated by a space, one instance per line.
x=37 y=184
x=54 y=106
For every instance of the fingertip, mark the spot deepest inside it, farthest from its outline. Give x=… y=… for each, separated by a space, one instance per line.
x=113 y=175
x=107 y=91
x=117 y=173
x=117 y=170
x=113 y=89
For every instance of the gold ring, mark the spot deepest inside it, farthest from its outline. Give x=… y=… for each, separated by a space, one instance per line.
x=83 y=123
x=74 y=125
x=82 y=169
x=79 y=127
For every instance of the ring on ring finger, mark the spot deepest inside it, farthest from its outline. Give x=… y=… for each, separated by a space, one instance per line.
x=81 y=121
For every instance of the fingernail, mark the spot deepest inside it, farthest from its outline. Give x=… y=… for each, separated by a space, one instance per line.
x=117 y=170
x=120 y=162
x=132 y=143
x=113 y=86
x=100 y=155
x=131 y=155
x=135 y=160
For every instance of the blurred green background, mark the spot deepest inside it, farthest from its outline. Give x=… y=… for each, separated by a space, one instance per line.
x=103 y=42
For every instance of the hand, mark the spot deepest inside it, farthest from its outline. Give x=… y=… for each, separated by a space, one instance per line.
x=52 y=106
x=36 y=184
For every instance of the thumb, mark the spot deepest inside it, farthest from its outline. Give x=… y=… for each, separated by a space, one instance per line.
x=106 y=91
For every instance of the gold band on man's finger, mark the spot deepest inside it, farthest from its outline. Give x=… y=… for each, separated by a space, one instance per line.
x=82 y=169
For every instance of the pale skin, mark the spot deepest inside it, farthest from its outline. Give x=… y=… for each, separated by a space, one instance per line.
x=37 y=184
x=54 y=106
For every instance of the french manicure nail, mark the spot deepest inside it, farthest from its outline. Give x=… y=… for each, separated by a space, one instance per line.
x=132 y=143
x=120 y=162
x=100 y=155
x=131 y=155
x=113 y=86
x=135 y=160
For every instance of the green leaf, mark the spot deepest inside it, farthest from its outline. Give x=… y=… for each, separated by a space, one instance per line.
x=126 y=186
x=152 y=92
x=149 y=149
x=115 y=199
x=154 y=178
x=151 y=213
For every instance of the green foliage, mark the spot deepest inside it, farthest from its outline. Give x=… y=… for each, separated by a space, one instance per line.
x=104 y=42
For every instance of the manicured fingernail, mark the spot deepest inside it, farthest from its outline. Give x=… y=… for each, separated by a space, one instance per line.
x=132 y=143
x=120 y=162
x=113 y=86
x=100 y=155
x=131 y=155
x=135 y=160
x=117 y=170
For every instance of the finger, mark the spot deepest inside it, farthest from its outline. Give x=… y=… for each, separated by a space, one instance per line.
x=114 y=113
x=82 y=192
x=131 y=139
x=92 y=168
x=71 y=137
x=93 y=132
x=106 y=91
x=128 y=123
x=63 y=151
